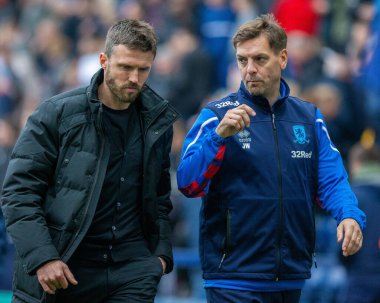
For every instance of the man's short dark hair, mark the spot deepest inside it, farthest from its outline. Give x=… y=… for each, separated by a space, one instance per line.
x=134 y=34
x=263 y=25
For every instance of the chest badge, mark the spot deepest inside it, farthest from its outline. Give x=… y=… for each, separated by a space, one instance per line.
x=300 y=134
x=244 y=139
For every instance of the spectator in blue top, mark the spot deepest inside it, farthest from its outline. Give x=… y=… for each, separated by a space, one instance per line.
x=260 y=159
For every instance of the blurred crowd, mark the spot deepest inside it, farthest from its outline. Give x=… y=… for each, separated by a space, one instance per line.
x=48 y=46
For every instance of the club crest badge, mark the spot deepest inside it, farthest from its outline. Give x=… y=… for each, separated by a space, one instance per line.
x=300 y=134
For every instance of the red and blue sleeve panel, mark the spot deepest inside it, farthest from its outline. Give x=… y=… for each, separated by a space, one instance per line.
x=202 y=156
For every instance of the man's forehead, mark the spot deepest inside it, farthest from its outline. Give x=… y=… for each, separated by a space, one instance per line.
x=254 y=45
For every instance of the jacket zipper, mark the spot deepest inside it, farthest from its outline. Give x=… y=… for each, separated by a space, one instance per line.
x=227 y=243
x=280 y=202
x=314 y=236
x=100 y=129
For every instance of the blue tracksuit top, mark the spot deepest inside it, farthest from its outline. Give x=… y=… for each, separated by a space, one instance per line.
x=259 y=188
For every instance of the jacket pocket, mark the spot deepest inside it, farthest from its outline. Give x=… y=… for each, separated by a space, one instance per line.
x=61 y=238
x=24 y=297
x=26 y=287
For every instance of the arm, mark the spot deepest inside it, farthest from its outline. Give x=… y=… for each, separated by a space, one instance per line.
x=204 y=148
x=26 y=182
x=27 y=179
x=202 y=155
x=164 y=247
x=335 y=192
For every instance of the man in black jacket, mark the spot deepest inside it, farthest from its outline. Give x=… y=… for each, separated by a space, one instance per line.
x=86 y=194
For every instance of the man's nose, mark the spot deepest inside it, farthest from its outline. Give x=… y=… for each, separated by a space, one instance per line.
x=134 y=76
x=251 y=68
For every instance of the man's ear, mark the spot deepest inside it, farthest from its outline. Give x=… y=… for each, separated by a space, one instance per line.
x=283 y=58
x=103 y=59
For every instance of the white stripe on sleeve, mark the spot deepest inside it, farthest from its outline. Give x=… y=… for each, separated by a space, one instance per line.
x=199 y=133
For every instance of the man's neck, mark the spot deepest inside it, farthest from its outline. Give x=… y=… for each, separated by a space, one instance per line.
x=273 y=98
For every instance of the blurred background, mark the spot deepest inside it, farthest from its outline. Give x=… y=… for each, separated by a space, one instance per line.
x=48 y=46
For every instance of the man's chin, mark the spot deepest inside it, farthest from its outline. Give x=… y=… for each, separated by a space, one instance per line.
x=130 y=98
x=127 y=101
x=255 y=92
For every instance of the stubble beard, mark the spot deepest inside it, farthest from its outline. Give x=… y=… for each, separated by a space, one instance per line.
x=117 y=91
x=263 y=90
x=255 y=91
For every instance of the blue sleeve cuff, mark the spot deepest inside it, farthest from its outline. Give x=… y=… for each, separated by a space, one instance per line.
x=216 y=138
x=358 y=216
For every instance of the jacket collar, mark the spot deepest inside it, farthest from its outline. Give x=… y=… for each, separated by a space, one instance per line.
x=92 y=90
x=263 y=102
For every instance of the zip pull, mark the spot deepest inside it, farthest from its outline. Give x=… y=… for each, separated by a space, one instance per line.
x=274 y=125
x=221 y=261
x=315 y=260
x=99 y=122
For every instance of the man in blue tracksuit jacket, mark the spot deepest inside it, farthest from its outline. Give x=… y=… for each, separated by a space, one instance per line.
x=261 y=159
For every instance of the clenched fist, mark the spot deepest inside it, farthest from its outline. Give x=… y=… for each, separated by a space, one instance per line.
x=235 y=120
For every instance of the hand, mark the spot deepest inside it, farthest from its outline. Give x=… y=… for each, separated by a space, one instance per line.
x=349 y=231
x=163 y=264
x=55 y=275
x=235 y=120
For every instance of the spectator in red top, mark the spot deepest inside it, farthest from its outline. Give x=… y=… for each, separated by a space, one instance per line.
x=300 y=15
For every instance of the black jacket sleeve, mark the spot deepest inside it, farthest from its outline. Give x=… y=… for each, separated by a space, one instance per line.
x=164 y=247
x=25 y=185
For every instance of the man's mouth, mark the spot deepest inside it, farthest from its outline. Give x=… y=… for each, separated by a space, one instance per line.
x=254 y=80
x=131 y=89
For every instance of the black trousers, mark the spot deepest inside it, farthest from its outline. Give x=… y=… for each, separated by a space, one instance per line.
x=218 y=295
x=135 y=280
